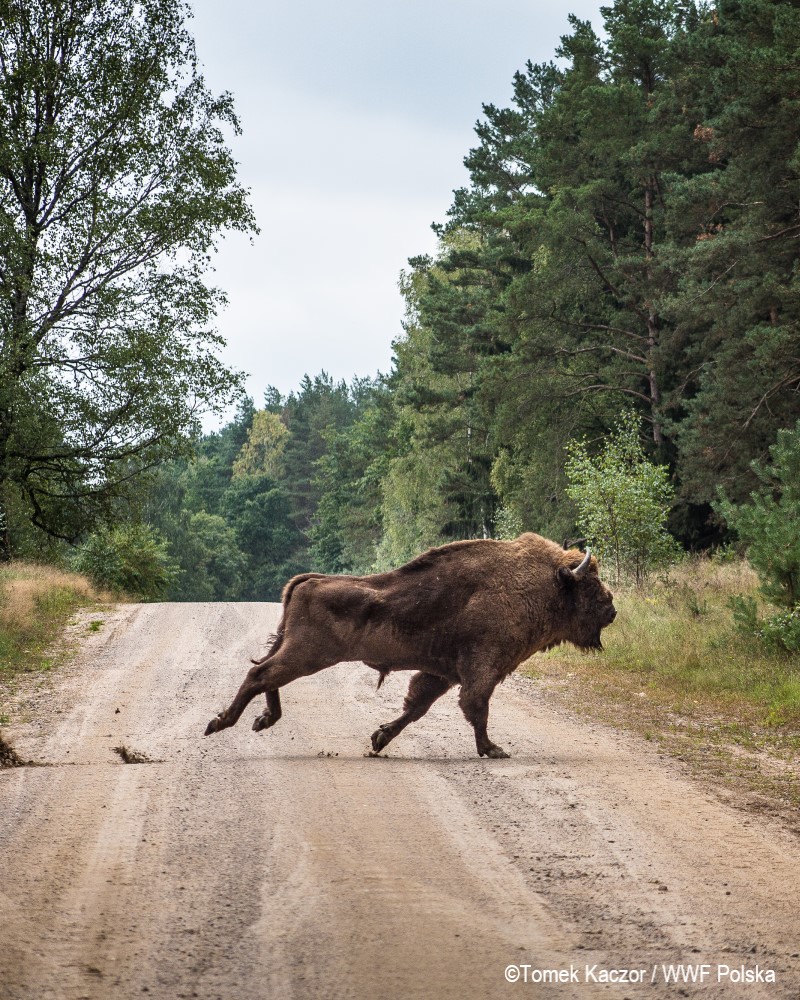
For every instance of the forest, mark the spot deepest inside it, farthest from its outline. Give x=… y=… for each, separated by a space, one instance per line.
x=628 y=242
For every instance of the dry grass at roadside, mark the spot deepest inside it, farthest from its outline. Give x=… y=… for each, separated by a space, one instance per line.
x=36 y=601
x=677 y=669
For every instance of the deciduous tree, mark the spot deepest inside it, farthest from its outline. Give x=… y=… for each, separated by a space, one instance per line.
x=115 y=181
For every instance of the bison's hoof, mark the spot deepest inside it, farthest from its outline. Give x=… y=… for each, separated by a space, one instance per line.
x=496 y=753
x=380 y=739
x=213 y=726
x=263 y=721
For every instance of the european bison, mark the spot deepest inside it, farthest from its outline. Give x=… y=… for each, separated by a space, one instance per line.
x=467 y=613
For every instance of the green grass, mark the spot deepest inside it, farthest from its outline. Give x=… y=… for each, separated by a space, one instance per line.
x=678 y=643
x=677 y=669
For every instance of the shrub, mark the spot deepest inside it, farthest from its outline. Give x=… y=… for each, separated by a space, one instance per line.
x=770 y=524
x=623 y=501
x=779 y=633
x=507 y=523
x=130 y=559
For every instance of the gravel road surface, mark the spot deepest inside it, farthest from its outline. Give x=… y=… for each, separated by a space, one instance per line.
x=286 y=864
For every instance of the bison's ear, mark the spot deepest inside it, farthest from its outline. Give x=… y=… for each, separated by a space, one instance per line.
x=566 y=577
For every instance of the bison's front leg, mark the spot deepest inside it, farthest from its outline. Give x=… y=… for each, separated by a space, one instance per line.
x=271 y=713
x=474 y=701
x=423 y=690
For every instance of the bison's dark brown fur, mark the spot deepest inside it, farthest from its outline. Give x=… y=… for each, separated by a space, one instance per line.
x=467 y=613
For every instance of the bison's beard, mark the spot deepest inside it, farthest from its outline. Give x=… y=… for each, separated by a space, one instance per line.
x=587 y=644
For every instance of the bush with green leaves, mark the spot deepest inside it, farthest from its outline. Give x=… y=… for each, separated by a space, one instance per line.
x=779 y=632
x=782 y=631
x=210 y=566
x=623 y=501
x=507 y=523
x=131 y=559
x=769 y=525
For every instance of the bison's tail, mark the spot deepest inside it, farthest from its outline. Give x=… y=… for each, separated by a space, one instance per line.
x=274 y=641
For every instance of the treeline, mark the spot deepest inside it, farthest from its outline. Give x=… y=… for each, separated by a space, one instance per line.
x=629 y=237
x=628 y=240
x=259 y=502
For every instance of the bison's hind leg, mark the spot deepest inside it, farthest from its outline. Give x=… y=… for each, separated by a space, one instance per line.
x=271 y=713
x=474 y=701
x=265 y=677
x=423 y=690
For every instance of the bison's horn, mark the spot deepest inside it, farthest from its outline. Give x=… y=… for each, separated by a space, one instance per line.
x=580 y=571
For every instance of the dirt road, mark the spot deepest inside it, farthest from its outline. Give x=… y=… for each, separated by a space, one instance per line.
x=285 y=864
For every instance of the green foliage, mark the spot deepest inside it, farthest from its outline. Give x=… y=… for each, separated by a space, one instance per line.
x=528 y=478
x=275 y=492
x=415 y=510
x=733 y=228
x=622 y=501
x=262 y=453
x=778 y=633
x=130 y=559
x=507 y=525
x=204 y=481
x=745 y=613
x=782 y=631
x=259 y=512
x=348 y=519
x=319 y=409
x=115 y=182
x=622 y=243
x=209 y=561
x=437 y=483
x=770 y=524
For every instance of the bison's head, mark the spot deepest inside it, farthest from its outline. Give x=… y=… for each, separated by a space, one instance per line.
x=589 y=603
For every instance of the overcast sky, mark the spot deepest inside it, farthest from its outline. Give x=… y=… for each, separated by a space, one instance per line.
x=356 y=118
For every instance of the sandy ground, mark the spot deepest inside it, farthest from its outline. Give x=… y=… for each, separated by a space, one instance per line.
x=286 y=864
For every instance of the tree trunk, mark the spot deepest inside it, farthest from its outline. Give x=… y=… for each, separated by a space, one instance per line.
x=652 y=316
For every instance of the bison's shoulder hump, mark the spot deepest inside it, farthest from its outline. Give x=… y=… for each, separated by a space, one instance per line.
x=456 y=555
